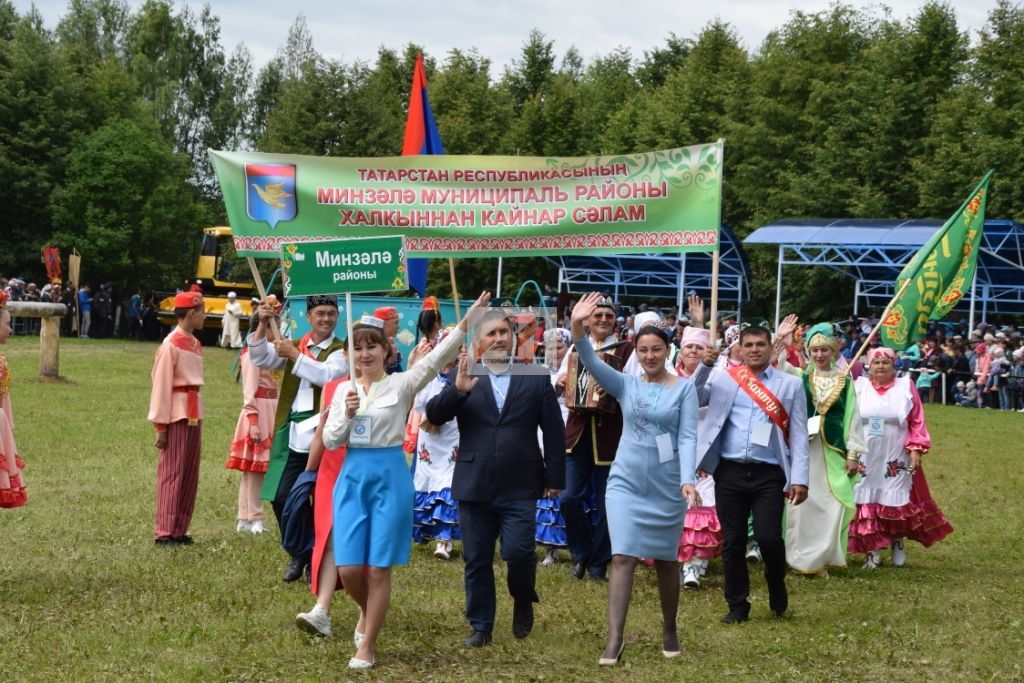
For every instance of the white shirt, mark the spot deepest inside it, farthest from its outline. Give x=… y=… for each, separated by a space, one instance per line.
x=310 y=371
x=388 y=402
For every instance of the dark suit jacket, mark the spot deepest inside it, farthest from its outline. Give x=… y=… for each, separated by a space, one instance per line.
x=499 y=457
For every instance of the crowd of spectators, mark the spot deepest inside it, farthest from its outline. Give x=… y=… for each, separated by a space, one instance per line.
x=980 y=368
x=99 y=311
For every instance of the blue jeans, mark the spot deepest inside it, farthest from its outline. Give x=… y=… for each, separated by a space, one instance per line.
x=481 y=525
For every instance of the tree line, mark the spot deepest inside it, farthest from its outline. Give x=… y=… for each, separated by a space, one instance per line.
x=105 y=120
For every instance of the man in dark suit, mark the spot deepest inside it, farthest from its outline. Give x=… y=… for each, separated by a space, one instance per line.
x=500 y=471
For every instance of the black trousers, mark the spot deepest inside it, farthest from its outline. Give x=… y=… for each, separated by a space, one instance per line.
x=481 y=524
x=589 y=542
x=742 y=489
x=293 y=467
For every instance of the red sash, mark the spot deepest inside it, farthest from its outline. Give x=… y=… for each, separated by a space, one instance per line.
x=192 y=402
x=762 y=397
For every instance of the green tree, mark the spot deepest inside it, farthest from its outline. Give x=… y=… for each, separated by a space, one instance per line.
x=127 y=207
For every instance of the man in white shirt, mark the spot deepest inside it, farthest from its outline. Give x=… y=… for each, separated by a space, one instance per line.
x=307 y=364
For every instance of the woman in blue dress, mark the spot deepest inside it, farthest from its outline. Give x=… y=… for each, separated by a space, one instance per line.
x=652 y=479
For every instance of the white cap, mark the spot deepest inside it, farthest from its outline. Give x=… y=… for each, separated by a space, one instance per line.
x=641 y=320
x=231 y=295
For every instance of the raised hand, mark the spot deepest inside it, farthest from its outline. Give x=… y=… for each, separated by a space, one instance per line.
x=787 y=327
x=481 y=302
x=696 y=305
x=711 y=355
x=463 y=381
x=582 y=311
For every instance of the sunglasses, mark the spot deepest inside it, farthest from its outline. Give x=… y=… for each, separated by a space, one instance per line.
x=606 y=316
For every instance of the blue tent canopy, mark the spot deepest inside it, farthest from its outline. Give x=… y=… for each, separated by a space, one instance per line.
x=660 y=276
x=874 y=251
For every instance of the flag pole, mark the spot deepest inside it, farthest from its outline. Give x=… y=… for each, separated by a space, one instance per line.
x=274 y=328
x=878 y=326
x=455 y=290
x=713 y=328
x=351 y=343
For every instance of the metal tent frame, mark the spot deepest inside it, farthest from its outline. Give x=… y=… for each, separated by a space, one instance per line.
x=873 y=252
x=660 y=275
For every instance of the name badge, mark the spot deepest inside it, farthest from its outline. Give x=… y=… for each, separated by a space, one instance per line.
x=761 y=434
x=813 y=426
x=360 y=432
x=876 y=426
x=666 y=452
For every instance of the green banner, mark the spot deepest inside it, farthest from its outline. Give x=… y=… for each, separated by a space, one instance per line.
x=368 y=264
x=939 y=273
x=466 y=206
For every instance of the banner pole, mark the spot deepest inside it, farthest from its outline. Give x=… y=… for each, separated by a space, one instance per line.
x=713 y=328
x=455 y=290
x=274 y=328
x=351 y=342
x=714 y=296
x=878 y=326
x=497 y=286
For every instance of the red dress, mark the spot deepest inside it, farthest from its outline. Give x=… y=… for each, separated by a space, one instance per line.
x=323 y=493
x=12 y=486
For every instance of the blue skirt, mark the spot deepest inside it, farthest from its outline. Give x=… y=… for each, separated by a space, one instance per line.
x=373 y=505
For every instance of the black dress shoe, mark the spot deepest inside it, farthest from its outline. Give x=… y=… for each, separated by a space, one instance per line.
x=577 y=570
x=164 y=541
x=294 y=569
x=779 y=613
x=477 y=639
x=522 y=619
x=183 y=540
x=734 y=617
x=599 y=577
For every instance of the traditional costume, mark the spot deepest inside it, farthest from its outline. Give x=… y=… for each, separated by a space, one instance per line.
x=176 y=407
x=893 y=500
x=435 y=512
x=259 y=405
x=12 y=486
x=323 y=494
x=702 y=538
x=816 y=530
x=231 y=323
x=298 y=399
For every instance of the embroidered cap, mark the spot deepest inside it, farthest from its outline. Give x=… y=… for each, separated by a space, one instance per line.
x=387 y=313
x=372 y=321
x=188 y=300
x=320 y=300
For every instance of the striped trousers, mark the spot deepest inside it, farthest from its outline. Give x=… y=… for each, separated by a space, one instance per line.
x=177 y=479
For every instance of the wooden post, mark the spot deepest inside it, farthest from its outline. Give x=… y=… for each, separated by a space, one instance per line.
x=455 y=289
x=275 y=328
x=49 y=332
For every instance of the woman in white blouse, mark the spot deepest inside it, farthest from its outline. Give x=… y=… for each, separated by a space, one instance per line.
x=373 y=497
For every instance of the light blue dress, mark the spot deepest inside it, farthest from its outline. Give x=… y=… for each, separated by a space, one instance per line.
x=644 y=504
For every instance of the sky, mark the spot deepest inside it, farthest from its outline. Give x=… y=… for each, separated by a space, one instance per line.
x=354 y=30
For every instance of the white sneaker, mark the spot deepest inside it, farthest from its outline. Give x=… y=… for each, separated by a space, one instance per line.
x=550 y=556
x=256 y=527
x=444 y=550
x=701 y=563
x=691 y=577
x=873 y=560
x=754 y=552
x=243 y=525
x=316 y=621
x=899 y=553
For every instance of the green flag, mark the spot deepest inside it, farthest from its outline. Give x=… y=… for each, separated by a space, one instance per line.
x=938 y=275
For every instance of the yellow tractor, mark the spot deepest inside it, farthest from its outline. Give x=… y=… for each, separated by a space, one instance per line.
x=218 y=271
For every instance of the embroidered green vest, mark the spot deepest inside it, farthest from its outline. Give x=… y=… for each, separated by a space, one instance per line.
x=290 y=385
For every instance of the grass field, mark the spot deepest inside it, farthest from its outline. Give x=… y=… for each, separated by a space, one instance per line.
x=86 y=596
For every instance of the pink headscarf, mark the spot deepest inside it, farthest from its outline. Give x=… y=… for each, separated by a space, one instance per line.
x=696 y=335
x=881 y=351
